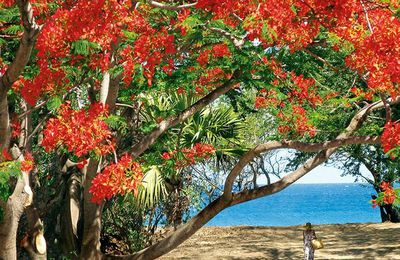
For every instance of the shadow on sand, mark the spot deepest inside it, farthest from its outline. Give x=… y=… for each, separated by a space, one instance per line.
x=349 y=241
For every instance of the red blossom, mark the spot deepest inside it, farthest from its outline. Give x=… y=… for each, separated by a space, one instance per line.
x=180 y=91
x=80 y=131
x=204 y=58
x=198 y=152
x=166 y=156
x=261 y=102
x=120 y=178
x=28 y=163
x=390 y=138
x=388 y=195
x=385 y=185
x=16 y=127
x=374 y=205
x=6 y=155
x=221 y=50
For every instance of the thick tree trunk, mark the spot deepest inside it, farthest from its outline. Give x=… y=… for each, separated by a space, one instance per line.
x=71 y=217
x=8 y=229
x=14 y=208
x=90 y=248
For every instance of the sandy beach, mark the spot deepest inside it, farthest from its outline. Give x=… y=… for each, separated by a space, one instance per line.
x=342 y=241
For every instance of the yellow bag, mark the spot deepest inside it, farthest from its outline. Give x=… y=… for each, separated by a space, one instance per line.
x=317 y=244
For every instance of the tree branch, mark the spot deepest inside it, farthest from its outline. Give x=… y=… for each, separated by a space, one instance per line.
x=31 y=31
x=181 y=234
x=284 y=182
x=388 y=109
x=330 y=146
x=170 y=7
x=322 y=60
x=300 y=146
x=238 y=42
x=172 y=121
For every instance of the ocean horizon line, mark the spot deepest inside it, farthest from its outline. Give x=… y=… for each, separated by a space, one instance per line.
x=329 y=183
x=300 y=225
x=327 y=203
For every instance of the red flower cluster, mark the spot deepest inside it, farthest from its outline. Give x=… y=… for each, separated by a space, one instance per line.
x=261 y=102
x=217 y=51
x=389 y=193
x=28 y=163
x=224 y=9
x=291 y=102
x=16 y=127
x=48 y=80
x=390 y=138
x=297 y=121
x=6 y=155
x=221 y=50
x=198 y=152
x=120 y=178
x=377 y=52
x=103 y=23
x=210 y=78
x=203 y=58
x=151 y=47
x=80 y=131
x=7 y=3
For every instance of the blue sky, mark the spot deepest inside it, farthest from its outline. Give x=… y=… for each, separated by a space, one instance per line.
x=322 y=174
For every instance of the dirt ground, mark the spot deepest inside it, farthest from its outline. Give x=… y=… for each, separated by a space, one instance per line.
x=349 y=241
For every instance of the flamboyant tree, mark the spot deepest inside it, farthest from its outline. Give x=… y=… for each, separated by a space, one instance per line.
x=77 y=75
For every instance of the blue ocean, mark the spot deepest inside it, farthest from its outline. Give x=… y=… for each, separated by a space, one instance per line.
x=301 y=203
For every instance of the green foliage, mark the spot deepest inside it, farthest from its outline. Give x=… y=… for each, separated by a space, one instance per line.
x=84 y=47
x=152 y=190
x=117 y=123
x=217 y=126
x=8 y=169
x=54 y=104
x=13 y=29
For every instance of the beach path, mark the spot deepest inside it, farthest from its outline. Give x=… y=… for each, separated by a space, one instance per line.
x=342 y=241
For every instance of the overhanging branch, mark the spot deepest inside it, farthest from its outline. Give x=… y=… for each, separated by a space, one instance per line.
x=300 y=146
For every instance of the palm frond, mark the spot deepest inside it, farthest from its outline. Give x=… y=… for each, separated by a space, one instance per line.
x=152 y=190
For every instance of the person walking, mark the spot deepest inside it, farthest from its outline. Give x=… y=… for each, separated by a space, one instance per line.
x=308 y=236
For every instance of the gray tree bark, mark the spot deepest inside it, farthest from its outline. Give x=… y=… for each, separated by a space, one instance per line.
x=90 y=247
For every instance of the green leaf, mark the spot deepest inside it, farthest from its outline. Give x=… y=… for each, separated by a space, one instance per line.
x=13 y=29
x=54 y=103
x=9 y=169
x=117 y=123
x=153 y=188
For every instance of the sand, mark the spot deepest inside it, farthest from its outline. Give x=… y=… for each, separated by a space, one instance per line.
x=347 y=241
